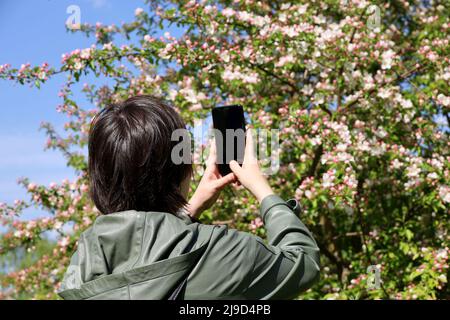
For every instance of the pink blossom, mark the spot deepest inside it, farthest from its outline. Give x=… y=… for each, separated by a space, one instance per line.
x=285 y=60
x=64 y=242
x=444 y=193
x=443 y=100
x=328 y=179
x=85 y=53
x=108 y=46
x=138 y=11
x=228 y=12
x=148 y=38
x=387 y=59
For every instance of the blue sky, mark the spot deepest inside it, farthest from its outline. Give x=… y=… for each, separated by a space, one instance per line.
x=34 y=31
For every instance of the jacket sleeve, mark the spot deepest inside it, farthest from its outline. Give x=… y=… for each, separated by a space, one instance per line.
x=289 y=263
x=241 y=265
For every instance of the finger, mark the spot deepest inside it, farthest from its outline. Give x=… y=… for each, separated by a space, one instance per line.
x=211 y=161
x=236 y=168
x=250 y=152
x=222 y=182
x=212 y=157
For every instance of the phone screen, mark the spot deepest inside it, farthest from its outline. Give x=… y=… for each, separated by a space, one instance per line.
x=229 y=125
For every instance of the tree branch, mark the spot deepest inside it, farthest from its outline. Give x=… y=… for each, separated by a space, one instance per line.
x=366 y=250
x=270 y=73
x=312 y=170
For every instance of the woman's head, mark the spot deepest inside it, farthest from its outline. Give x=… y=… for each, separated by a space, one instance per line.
x=130 y=166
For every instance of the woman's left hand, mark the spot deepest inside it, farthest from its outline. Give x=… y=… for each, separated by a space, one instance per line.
x=210 y=185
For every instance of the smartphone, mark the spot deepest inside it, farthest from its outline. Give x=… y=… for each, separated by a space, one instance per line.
x=229 y=132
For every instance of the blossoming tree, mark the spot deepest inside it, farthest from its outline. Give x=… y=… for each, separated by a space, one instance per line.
x=358 y=89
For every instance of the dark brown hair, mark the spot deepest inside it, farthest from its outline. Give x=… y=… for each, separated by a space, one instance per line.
x=130 y=165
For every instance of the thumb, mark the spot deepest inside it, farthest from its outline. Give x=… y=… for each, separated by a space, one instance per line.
x=236 y=168
x=222 y=182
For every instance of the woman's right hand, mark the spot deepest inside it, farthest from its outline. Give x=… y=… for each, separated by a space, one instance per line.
x=250 y=174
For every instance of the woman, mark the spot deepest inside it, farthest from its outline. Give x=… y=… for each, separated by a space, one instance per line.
x=148 y=243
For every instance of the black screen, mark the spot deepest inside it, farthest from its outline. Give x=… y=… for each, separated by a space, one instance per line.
x=231 y=144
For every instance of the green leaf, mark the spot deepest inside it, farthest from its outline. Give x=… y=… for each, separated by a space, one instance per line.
x=409 y=235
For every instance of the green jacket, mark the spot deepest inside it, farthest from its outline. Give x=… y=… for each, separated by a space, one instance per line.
x=146 y=255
